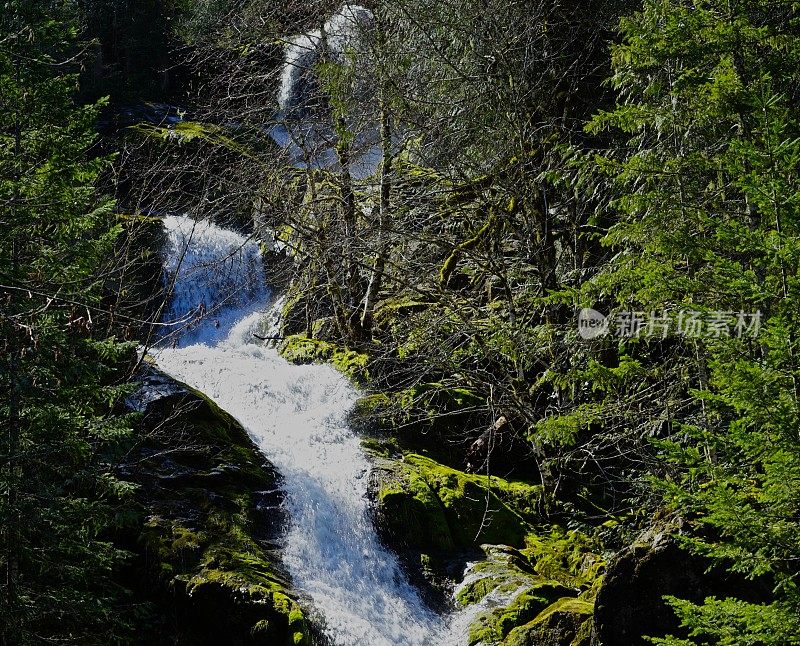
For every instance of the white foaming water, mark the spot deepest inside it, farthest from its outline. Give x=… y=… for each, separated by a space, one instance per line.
x=215 y=276
x=305 y=131
x=297 y=415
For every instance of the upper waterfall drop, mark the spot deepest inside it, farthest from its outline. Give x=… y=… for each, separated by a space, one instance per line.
x=341 y=34
x=297 y=415
x=214 y=277
x=303 y=124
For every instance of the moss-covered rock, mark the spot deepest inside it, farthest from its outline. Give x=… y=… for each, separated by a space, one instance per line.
x=493 y=626
x=524 y=592
x=504 y=572
x=299 y=348
x=431 y=507
x=563 y=623
x=211 y=511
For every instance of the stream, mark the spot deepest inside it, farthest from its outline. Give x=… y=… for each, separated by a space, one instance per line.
x=297 y=416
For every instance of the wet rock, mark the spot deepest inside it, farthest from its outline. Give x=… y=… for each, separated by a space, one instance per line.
x=541 y=595
x=498 y=625
x=630 y=601
x=504 y=572
x=205 y=562
x=425 y=505
x=567 y=622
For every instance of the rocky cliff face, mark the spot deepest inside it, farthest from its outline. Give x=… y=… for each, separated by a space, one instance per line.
x=205 y=567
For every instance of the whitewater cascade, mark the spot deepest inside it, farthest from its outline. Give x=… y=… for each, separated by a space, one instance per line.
x=303 y=127
x=297 y=416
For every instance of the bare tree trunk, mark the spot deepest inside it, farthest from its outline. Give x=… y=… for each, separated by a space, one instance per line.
x=376 y=279
x=9 y=634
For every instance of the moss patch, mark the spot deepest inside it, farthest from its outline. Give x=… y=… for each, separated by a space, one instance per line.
x=429 y=506
x=559 y=624
x=493 y=626
x=299 y=348
x=549 y=588
x=568 y=556
x=504 y=571
x=205 y=544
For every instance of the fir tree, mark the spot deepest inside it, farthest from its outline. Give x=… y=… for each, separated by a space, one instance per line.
x=705 y=181
x=56 y=370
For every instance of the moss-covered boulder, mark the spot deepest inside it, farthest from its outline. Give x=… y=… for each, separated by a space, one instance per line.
x=504 y=572
x=567 y=622
x=423 y=505
x=493 y=626
x=300 y=348
x=206 y=566
x=525 y=596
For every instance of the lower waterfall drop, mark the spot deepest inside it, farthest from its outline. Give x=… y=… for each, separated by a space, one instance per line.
x=297 y=416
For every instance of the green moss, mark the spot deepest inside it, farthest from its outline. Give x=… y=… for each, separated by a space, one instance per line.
x=187 y=131
x=415 y=515
x=460 y=509
x=260 y=629
x=545 y=610
x=558 y=624
x=495 y=625
x=390 y=308
x=569 y=556
x=214 y=558
x=567 y=605
x=301 y=349
x=375 y=405
x=323 y=328
x=210 y=424
x=439 y=397
x=504 y=570
x=507 y=572
x=584 y=634
x=384 y=448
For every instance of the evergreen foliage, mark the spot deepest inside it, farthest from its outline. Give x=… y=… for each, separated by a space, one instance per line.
x=704 y=180
x=59 y=373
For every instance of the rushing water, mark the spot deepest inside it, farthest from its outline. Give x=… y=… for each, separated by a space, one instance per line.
x=302 y=128
x=297 y=416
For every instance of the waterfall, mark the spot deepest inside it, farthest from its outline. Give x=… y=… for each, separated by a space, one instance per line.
x=342 y=32
x=296 y=414
x=214 y=275
x=303 y=126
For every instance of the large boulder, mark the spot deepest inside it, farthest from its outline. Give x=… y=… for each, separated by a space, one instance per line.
x=430 y=507
x=521 y=619
x=542 y=595
x=567 y=622
x=205 y=568
x=630 y=604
